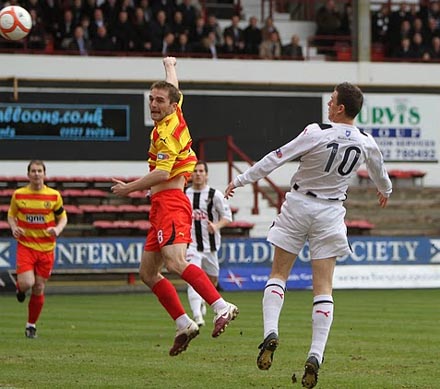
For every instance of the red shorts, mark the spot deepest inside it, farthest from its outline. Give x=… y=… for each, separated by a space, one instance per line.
x=170 y=218
x=41 y=262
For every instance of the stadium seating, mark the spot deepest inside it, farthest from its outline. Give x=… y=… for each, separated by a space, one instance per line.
x=398 y=177
x=94 y=211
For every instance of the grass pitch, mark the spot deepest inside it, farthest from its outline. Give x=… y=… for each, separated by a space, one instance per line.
x=379 y=339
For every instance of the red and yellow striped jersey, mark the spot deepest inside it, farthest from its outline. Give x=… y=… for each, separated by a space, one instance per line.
x=35 y=211
x=170 y=145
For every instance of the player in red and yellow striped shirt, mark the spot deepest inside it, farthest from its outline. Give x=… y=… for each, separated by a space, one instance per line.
x=171 y=161
x=36 y=216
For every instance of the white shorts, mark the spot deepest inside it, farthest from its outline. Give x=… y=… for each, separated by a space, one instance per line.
x=206 y=261
x=303 y=218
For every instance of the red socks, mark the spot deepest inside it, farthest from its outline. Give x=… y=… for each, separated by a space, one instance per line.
x=167 y=296
x=34 y=308
x=198 y=279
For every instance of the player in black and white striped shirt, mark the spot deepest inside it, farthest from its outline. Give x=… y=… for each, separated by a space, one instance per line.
x=329 y=155
x=211 y=212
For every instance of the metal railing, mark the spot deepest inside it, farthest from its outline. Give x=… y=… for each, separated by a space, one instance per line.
x=233 y=150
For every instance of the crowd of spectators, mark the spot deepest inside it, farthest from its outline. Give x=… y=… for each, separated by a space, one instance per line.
x=146 y=27
x=406 y=31
x=409 y=33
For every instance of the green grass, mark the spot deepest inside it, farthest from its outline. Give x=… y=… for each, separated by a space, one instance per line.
x=379 y=339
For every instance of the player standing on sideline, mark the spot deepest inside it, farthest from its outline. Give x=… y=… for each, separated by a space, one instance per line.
x=171 y=161
x=211 y=212
x=330 y=154
x=36 y=216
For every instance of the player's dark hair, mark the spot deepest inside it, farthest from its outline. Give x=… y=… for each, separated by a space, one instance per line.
x=173 y=92
x=36 y=162
x=351 y=97
x=201 y=162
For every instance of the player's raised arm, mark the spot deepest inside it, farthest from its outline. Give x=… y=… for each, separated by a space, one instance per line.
x=170 y=71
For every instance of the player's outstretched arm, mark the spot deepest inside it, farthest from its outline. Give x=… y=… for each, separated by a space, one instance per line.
x=170 y=71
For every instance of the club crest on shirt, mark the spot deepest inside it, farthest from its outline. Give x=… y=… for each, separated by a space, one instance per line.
x=279 y=153
x=347 y=133
x=162 y=156
x=47 y=204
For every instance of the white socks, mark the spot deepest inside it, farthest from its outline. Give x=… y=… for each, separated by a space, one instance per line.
x=195 y=302
x=322 y=318
x=273 y=300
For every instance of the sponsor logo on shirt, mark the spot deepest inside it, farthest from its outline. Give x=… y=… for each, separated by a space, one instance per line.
x=35 y=219
x=162 y=156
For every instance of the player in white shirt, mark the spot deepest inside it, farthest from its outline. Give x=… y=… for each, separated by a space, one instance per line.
x=211 y=212
x=329 y=155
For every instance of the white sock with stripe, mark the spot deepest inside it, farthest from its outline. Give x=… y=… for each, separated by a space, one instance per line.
x=322 y=318
x=273 y=300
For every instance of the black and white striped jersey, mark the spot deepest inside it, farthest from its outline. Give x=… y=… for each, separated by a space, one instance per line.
x=207 y=204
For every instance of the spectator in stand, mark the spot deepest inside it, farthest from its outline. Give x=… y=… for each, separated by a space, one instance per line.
x=418 y=27
x=328 y=25
x=142 y=29
x=181 y=46
x=34 y=5
x=110 y=10
x=148 y=13
x=268 y=28
x=159 y=28
x=212 y=24
x=432 y=30
x=404 y=51
x=237 y=34
x=417 y=45
x=89 y=8
x=64 y=34
x=98 y=21
x=85 y=24
x=36 y=39
x=167 y=6
x=189 y=12
x=347 y=20
x=102 y=41
x=77 y=11
x=252 y=37
x=177 y=26
x=380 y=25
x=396 y=20
x=228 y=47
x=293 y=50
x=123 y=34
x=430 y=9
x=126 y=5
x=198 y=31
x=404 y=32
x=79 y=43
x=433 y=52
x=271 y=48
x=209 y=46
x=168 y=43
x=412 y=12
x=51 y=16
